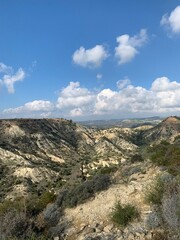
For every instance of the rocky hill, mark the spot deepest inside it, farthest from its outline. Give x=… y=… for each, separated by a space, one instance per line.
x=168 y=130
x=39 y=156
x=33 y=150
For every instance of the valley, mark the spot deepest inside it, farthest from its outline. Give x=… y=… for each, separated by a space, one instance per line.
x=44 y=163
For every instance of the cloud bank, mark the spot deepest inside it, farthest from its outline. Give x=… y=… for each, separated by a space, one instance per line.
x=41 y=107
x=77 y=102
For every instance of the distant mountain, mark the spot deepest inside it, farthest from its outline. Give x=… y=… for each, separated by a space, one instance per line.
x=123 y=123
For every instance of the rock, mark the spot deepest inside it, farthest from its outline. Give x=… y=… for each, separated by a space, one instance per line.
x=149 y=236
x=83 y=226
x=95 y=225
x=131 y=236
x=89 y=230
x=56 y=238
x=100 y=227
x=108 y=228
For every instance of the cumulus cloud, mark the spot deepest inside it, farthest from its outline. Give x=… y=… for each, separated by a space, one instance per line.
x=167 y=93
x=164 y=84
x=9 y=78
x=127 y=46
x=162 y=97
x=90 y=57
x=127 y=100
x=76 y=112
x=103 y=100
x=74 y=96
x=35 y=106
x=172 y=21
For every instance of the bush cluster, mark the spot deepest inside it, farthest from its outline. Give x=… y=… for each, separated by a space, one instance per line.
x=136 y=158
x=165 y=194
x=166 y=154
x=36 y=204
x=123 y=214
x=154 y=193
x=80 y=193
x=19 y=217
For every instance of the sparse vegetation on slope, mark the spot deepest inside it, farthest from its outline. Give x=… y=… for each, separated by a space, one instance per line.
x=166 y=154
x=45 y=158
x=164 y=193
x=123 y=214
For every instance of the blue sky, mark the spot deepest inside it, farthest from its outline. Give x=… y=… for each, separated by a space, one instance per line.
x=89 y=59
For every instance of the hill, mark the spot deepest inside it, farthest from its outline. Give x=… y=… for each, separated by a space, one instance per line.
x=63 y=179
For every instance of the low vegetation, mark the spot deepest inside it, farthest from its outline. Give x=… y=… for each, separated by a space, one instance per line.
x=164 y=193
x=155 y=191
x=167 y=155
x=123 y=214
x=22 y=215
x=82 y=192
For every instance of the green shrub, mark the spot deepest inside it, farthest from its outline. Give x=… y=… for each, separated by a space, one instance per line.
x=17 y=204
x=154 y=193
x=36 y=204
x=137 y=158
x=166 y=154
x=122 y=215
x=13 y=224
x=157 y=235
x=80 y=193
x=108 y=170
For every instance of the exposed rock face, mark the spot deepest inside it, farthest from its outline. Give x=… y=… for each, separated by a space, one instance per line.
x=50 y=149
x=167 y=130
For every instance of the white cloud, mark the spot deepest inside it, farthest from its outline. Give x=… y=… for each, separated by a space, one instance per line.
x=35 y=106
x=5 y=69
x=127 y=46
x=104 y=101
x=167 y=93
x=162 y=97
x=9 y=78
x=123 y=83
x=172 y=21
x=90 y=57
x=74 y=96
x=127 y=100
x=46 y=114
x=164 y=84
x=39 y=105
x=76 y=112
